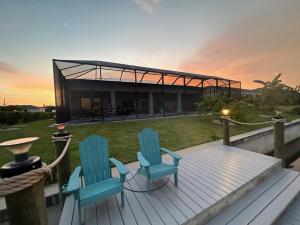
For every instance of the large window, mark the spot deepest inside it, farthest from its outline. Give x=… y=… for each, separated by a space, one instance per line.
x=86 y=104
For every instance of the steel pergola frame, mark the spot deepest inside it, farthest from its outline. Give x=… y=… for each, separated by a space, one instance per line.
x=65 y=70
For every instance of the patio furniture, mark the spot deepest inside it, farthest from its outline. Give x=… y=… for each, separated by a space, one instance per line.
x=150 y=157
x=96 y=173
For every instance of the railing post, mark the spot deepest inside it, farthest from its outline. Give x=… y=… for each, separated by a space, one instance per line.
x=226 y=131
x=27 y=206
x=64 y=166
x=279 y=145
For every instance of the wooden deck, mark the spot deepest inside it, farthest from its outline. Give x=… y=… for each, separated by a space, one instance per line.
x=209 y=180
x=264 y=204
x=292 y=215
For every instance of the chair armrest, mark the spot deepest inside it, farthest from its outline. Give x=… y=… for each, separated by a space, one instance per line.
x=74 y=183
x=120 y=167
x=174 y=155
x=142 y=160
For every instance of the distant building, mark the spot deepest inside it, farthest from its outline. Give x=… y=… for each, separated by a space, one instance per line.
x=32 y=108
x=251 y=92
x=97 y=90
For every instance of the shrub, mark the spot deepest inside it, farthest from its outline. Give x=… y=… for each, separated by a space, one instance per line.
x=11 y=118
x=213 y=105
x=296 y=110
x=33 y=116
x=213 y=136
x=29 y=116
x=239 y=110
x=3 y=117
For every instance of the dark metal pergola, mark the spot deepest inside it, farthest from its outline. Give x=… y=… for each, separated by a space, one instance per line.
x=65 y=70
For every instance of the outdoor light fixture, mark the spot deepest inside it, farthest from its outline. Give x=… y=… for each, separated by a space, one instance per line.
x=22 y=163
x=61 y=130
x=279 y=117
x=60 y=126
x=225 y=112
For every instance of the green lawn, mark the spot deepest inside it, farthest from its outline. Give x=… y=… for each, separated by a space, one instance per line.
x=175 y=133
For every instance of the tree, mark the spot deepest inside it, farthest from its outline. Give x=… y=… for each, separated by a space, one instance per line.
x=275 y=92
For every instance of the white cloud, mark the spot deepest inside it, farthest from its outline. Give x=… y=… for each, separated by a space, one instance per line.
x=147 y=5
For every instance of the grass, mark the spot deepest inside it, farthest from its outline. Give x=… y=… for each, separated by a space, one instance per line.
x=288 y=111
x=175 y=133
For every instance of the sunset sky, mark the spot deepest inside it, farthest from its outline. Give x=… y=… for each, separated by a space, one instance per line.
x=241 y=40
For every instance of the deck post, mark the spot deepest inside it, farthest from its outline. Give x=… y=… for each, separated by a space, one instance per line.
x=27 y=206
x=279 y=146
x=64 y=166
x=226 y=131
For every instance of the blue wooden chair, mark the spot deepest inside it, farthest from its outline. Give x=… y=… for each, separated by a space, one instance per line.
x=150 y=158
x=96 y=173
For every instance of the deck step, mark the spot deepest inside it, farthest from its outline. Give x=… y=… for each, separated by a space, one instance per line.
x=291 y=215
x=264 y=204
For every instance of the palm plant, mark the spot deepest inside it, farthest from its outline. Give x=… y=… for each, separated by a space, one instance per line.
x=275 y=92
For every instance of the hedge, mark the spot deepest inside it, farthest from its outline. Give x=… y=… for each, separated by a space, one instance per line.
x=11 y=118
x=296 y=110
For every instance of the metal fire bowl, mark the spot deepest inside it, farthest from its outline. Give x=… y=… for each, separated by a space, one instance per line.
x=19 y=146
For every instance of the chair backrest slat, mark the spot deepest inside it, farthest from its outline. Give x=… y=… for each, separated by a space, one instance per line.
x=94 y=159
x=149 y=144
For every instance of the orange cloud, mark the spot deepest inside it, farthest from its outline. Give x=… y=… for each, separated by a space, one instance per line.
x=24 y=88
x=257 y=48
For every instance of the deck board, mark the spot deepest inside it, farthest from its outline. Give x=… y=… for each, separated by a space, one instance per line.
x=292 y=214
x=227 y=215
x=103 y=217
x=264 y=204
x=207 y=178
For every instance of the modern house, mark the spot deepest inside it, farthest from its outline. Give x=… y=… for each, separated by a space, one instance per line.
x=96 y=90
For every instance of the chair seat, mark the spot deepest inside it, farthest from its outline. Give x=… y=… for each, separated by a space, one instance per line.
x=160 y=170
x=99 y=190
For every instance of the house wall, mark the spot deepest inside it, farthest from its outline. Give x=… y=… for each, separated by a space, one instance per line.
x=119 y=97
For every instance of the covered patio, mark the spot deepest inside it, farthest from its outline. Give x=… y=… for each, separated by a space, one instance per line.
x=97 y=90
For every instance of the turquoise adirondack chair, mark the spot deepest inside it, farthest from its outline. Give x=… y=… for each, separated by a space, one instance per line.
x=150 y=157
x=96 y=172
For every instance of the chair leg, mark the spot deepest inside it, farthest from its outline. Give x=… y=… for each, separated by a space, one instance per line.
x=176 y=178
x=148 y=185
x=122 y=199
